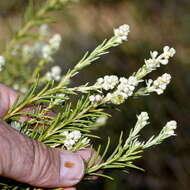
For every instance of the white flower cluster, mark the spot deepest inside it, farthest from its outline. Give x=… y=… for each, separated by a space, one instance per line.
x=16 y=125
x=132 y=140
x=108 y=82
x=142 y=121
x=54 y=74
x=121 y=33
x=168 y=52
x=124 y=90
x=143 y=118
x=71 y=138
x=155 y=60
x=159 y=85
x=170 y=127
x=41 y=48
x=49 y=49
x=2 y=62
x=123 y=87
x=167 y=131
x=127 y=85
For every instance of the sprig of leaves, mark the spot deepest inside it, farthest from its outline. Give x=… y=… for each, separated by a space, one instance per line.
x=129 y=150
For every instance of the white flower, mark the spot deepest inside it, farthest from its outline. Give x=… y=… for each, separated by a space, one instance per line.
x=2 y=62
x=55 y=42
x=69 y=143
x=75 y=135
x=155 y=60
x=98 y=98
x=92 y=98
x=100 y=80
x=49 y=49
x=154 y=54
x=164 y=61
x=121 y=88
x=71 y=138
x=54 y=74
x=127 y=86
x=95 y=98
x=44 y=30
x=169 y=128
x=168 y=52
x=160 y=84
x=143 y=119
x=143 y=116
x=122 y=33
x=171 y=125
x=16 y=125
x=151 y=64
x=133 y=81
x=116 y=97
x=56 y=71
x=108 y=82
x=16 y=86
x=65 y=133
x=47 y=52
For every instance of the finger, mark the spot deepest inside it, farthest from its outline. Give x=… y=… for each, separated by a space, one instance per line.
x=32 y=162
x=89 y=154
x=7 y=97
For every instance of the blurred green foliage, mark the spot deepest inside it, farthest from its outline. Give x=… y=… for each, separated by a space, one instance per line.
x=153 y=24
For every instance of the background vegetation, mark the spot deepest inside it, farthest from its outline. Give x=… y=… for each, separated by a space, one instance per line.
x=153 y=24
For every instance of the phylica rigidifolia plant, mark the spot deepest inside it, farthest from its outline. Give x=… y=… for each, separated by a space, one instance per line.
x=70 y=126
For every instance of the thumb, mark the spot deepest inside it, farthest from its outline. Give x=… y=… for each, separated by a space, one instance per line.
x=32 y=162
x=7 y=98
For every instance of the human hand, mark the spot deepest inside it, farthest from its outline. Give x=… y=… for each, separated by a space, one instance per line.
x=31 y=162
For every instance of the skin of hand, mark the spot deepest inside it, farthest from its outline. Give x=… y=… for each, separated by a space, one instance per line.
x=31 y=162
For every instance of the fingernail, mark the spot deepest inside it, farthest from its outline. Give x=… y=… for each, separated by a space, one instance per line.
x=72 y=168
